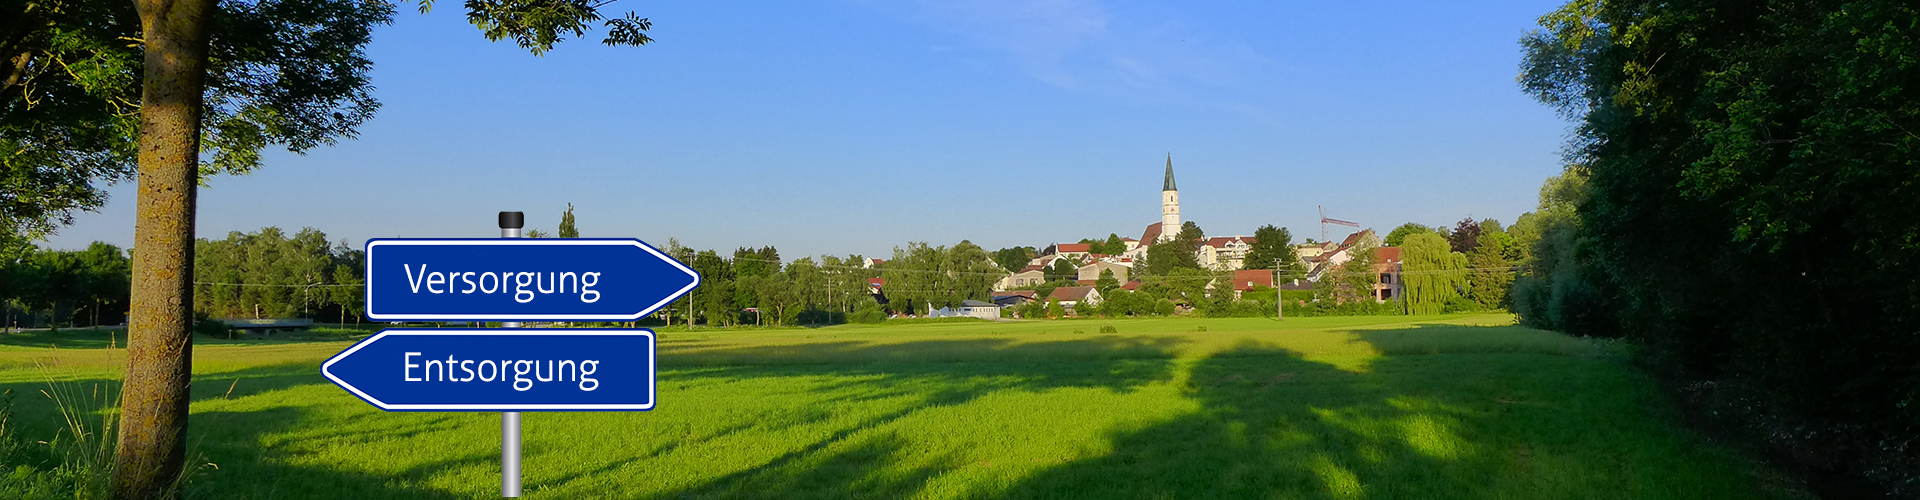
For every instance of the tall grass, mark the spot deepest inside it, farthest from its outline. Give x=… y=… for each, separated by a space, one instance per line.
x=77 y=461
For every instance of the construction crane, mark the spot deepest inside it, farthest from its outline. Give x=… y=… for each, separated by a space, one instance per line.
x=1324 y=220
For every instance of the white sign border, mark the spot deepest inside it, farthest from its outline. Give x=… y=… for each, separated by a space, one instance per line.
x=521 y=242
x=653 y=388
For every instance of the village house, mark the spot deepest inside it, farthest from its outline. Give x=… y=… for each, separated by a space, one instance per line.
x=967 y=309
x=1071 y=296
x=1225 y=253
x=1028 y=276
x=1076 y=251
x=1012 y=298
x=1387 y=266
x=1091 y=272
x=1319 y=265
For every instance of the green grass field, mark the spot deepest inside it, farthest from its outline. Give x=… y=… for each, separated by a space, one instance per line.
x=1356 y=407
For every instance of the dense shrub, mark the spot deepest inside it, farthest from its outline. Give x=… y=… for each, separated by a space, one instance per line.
x=868 y=313
x=1747 y=211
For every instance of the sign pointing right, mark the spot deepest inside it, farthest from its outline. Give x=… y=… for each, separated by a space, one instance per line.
x=514 y=279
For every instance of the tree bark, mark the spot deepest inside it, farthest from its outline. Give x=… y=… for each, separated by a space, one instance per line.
x=153 y=401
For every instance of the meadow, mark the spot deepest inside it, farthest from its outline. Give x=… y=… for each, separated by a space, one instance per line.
x=1457 y=406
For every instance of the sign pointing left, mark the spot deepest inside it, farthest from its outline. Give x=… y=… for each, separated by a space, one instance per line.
x=448 y=369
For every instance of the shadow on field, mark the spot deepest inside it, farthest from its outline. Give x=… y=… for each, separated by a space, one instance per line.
x=247 y=468
x=233 y=442
x=1516 y=418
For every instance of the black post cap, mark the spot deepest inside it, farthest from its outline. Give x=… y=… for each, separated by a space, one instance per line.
x=512 y=220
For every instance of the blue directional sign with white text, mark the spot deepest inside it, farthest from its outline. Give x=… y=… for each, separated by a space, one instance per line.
x=457 y=369
x=517 y=279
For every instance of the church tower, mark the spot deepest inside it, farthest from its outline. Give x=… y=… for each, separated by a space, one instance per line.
x=1169 y=206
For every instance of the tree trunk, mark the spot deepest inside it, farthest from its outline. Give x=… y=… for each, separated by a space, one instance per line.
x=153 y=401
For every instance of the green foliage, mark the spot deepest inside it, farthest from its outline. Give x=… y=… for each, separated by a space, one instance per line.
x=538 y=25
x=1014 y=259
x=1109 y=246
x=922 y=276
x=88 y=287
x=1748 y=212
x=1107 y=283
x=1163 y=257
x=1434 y=274
x=1063 y=269
x=266 y=274
x=1183 y=285
x=1399 y=235
x=567 y=229
x=1054 y=309
x=755 y=262
x=868 y=313
x=212 y=328
x=1492 y=274
x=1273 y=246
x=290 y=73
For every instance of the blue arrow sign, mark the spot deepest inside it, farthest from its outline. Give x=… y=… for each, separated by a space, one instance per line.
x=458 y=369
x=512 y=279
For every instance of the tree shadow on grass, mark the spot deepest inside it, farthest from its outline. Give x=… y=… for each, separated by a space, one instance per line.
x=235 y=443
x=1505 y=414
x=244 y=466
x=1505 y=424
x=1512 y=423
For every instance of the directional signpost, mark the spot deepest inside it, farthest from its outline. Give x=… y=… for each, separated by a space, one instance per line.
x=461 y=369
x=510 y=370
x=520 y=279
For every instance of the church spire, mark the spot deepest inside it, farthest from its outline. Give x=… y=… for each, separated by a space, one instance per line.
x=1169 y=184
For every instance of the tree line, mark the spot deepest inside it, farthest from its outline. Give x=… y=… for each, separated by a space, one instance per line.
x=1740 y=202
x=61 y=288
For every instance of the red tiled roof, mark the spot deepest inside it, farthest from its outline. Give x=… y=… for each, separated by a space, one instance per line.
x=1010 y=293
x=1354 y=239
x=1127 y=239
x=1387 y=254
x=1072 y=247
x=1070 y=293
x=1152 y=234
x=1131 y=285
x=1032 y=268
x=1246 y=279
x=1086 y=282
x=877 y=281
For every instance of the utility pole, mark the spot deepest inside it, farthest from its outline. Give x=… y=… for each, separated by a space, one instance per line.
x=1279 y=301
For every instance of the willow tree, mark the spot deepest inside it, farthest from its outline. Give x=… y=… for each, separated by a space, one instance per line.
x=1433 y=273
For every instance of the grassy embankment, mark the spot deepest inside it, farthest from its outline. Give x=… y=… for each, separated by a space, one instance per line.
x=1354 y=407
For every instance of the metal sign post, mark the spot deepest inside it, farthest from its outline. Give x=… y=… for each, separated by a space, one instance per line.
x=510 y=224
x=510 y=279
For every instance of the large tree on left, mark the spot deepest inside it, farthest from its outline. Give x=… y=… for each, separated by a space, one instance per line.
x=170 y=91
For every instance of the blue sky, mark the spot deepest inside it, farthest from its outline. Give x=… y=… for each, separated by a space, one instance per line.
x=854 y=126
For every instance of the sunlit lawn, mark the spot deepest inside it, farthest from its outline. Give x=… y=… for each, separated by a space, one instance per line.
x=1373 y=407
